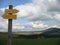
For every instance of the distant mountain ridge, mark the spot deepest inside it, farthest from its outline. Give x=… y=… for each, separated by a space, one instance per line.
x=51 y=32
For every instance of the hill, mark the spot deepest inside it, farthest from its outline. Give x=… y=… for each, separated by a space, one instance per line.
x=51 y=32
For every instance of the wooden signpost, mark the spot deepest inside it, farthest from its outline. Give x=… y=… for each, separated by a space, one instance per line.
x=10 y=15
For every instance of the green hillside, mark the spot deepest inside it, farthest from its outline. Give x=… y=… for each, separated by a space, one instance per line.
x=48 y=41
x=38 y=41
x=52 y=32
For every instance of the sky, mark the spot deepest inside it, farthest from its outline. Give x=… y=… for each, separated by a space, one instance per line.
x=33 y=15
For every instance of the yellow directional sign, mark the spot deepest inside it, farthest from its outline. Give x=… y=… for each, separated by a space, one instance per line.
x=11 y=11
x=6 y=16
x=10 y=14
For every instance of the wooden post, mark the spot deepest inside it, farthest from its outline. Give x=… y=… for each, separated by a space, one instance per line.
x=9 y=14
x=9 y=39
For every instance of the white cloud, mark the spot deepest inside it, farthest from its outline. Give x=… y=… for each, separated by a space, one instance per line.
x=36 y=11
x=1 y=13
x=57 y=17
x=41 y=10
x=37 y=24
x=54 y=26
x=18 y=26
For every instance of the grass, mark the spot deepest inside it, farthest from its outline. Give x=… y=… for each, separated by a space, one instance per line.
x=48 y=41
x=18 y=41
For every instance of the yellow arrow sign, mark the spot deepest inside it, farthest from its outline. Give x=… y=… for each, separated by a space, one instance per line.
x=11 y=11
x=10 y=14
x=6 y=16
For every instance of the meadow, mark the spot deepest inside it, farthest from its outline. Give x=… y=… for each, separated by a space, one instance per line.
x=44 y=41
x=34 y=41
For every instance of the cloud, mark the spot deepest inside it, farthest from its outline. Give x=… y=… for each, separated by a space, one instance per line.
x=37 y=24
x=1 y=13
x=18 y=26
x=57 y=17
x=41 y=10
x=38 y=12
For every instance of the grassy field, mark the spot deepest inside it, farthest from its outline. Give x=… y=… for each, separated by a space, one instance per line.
x=18 y=41
x=49 y=41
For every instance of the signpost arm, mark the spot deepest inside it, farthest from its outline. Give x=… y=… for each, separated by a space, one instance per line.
x=9 y=39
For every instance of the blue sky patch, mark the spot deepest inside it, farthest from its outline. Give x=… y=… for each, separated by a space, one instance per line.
x=5 y=3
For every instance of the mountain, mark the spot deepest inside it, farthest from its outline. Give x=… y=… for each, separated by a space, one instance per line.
x=51 y=32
